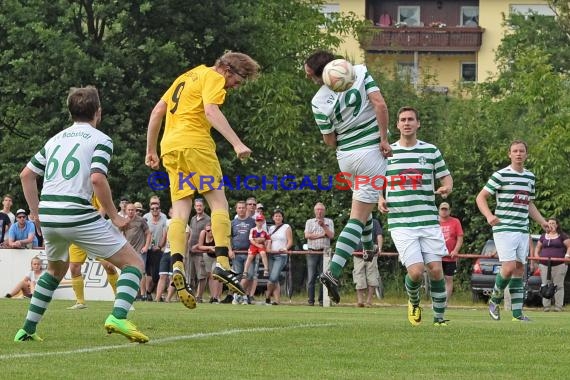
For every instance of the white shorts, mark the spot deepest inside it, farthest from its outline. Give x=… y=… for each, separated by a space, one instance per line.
x=512 y=246
x=370 y=166
x=424 y=245
x=99 y=239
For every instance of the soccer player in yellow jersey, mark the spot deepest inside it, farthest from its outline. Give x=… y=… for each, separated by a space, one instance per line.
x=77 y=257
x=192 y=107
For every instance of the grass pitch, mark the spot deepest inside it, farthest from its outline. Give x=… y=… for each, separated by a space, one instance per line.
x=284 y=342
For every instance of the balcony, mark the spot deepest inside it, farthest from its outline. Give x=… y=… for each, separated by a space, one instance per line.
x=426 y=39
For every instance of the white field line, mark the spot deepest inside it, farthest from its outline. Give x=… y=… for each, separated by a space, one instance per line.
x=153 y=342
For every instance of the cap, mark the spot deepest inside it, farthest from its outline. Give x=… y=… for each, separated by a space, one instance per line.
x=124 y=199
x=21 y=211
x=259 y=218
x=259 y=205
x=444 y=205
x=139 y=206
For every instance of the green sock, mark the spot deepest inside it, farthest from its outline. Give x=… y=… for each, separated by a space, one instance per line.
x=41 y=298
x=367 y=242
x=499 y=289
x=438 y=297
x=345 y=246
x=413 y=290
x=127 y=289
x=516 y=288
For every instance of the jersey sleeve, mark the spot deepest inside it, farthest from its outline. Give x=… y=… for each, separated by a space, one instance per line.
x=440 y=167
x=213 y=88
x=38 y=163
x=494 y=183
x=369 y=82
x=102 y=156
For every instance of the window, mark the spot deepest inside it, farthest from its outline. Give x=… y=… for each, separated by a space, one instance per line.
x=468 y=72
x=469 y=16
x=409 y=15
x=329 y=9
x=527 y=9
x=407 y=72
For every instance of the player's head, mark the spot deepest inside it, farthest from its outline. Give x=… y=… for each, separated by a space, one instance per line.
x=84 y=105
x=237 y=68
x=315 y=64
x=518 y=152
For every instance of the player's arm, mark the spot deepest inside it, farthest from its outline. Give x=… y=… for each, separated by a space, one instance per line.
x=330 y=139
x=30 y=188
x=537 y=217
x=103 y=193
x=483 y=206
x=220 y=124
x=154 y=124
x=382 y=117
x=446 y=186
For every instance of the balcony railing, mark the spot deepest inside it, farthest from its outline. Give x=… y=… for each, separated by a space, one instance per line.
x=446 y=39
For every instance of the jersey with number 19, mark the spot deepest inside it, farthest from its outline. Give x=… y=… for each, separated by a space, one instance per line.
x=66 y=162
x=349 y=114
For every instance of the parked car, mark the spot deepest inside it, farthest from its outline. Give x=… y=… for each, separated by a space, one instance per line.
x=485 y=269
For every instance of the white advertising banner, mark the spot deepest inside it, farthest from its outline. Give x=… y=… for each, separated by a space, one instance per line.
x=15 y=265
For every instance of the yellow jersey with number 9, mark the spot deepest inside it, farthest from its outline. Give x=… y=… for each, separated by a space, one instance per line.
x=186 y=124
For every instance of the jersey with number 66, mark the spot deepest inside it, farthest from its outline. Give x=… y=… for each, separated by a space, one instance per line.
x=349 y=114
x=66 y=162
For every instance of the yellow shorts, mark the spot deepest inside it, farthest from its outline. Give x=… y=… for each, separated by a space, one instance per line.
x=76 y=254
x=192 y=170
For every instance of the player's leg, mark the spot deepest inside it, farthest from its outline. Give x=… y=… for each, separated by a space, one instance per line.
x=221 y=229
x=77 y=257
x=505 y=243
x=112 y=275
x=58 y=264
x=516 y=286
x=433 y=249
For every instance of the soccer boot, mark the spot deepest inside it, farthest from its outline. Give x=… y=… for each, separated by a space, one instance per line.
x=414 y=314
x=440 y=322
x=184 y=291
x=125 y=328
x=229 y=278
x=22 y=336
x=494 y=310
x=522 y=318
x=331 y=283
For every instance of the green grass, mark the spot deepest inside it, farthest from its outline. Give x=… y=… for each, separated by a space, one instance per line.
x=284 y=342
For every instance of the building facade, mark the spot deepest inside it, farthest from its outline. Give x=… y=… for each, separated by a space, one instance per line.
x=433 y=43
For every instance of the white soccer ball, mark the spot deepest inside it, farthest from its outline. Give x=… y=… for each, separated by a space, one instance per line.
x=338 y=75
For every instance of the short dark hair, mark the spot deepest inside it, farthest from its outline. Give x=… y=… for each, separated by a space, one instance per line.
x=409 y=108
x=83 y=103
x=517 y=142
x=318 y=60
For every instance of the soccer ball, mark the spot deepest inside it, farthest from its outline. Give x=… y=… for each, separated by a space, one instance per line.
x=338 y=75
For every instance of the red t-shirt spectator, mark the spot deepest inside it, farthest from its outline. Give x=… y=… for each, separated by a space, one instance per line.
x=451 y=229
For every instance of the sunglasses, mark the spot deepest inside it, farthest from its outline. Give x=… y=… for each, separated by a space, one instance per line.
x=154 y=208
x=21 y=217
x=252 y=204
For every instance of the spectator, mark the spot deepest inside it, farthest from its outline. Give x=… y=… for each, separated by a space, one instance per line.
x=281 y=241
x=453 y=235
x=4 y=227
x=6 y=206
x=23 y=233
x=514 y=189
x=28 y=284
x=554 y=243
x=260 y=210
x=240 y=228
x=251 y=206
x=158 y=230
x=258 y=238
x=154 y=200
x=138 y=235
x=365 y=274
x=139 y=209
x=207 y=245
x=123 y=206
x=196 y=268
x=319 y=232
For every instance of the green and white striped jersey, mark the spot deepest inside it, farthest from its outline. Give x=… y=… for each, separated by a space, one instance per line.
x=66 y=162
x=411 y=176
x=513 y=192
x=349 y=114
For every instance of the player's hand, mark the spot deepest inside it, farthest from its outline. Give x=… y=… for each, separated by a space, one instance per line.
x=120 y=222
x=444 y=191
x=151 y=160
x=382 y=205
x=386 y=149
x=493 y=220
x=242 y=151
